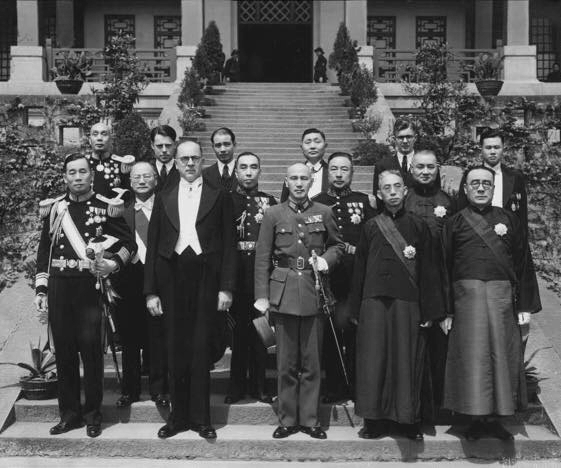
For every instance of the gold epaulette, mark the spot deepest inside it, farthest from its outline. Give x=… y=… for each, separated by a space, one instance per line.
x=126 y=161
x=115 y=206
x=46 y=205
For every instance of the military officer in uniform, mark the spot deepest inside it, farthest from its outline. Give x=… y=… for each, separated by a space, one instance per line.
x=110 y=171
x=249 y=355
x=290 y=232
x=69 y=283
x=351 y=210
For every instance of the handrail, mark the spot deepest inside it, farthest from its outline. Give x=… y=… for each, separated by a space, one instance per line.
x=159 y=65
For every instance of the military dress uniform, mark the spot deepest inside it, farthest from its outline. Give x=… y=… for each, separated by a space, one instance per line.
x=109 y=173
x=289 y=233
x=247 y=371
x=75 y=316
x=351 y=210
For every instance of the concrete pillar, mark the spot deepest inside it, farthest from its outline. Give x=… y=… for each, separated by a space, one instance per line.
x=65 y=23
x=483 y=33
x=28 y=22
x=185 y=56
x=27 y=57
x=356 y=14
x=192 y=22
x=519 y=57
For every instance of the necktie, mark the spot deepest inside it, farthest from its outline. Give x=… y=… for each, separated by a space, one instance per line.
x=225 y=177
x=404 y=168
x=163 y=174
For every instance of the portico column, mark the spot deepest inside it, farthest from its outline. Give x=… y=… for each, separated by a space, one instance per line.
x=356 y=15
x=519 y=56
x=27 y=55
x=192 y=27
x=65 y=23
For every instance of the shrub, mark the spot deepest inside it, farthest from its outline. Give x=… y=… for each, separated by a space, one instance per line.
x=209 y=57
x=191 y=93
x=132 y=136
x=344 y=58
x=363 y=89
x=191 y=120
x=368 y=153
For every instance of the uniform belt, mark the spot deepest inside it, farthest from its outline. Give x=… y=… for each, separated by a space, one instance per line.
x=298 y=263
x=71 y=263
x=246 y=245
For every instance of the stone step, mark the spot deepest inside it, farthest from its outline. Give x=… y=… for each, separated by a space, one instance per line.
x=254 y=442
x=283 y=142
x=293 y=135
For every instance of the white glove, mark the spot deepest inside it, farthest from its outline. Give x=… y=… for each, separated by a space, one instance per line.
x=262 y=304
x=322 y=263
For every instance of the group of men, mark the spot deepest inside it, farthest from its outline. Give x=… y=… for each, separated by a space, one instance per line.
x=425 y=290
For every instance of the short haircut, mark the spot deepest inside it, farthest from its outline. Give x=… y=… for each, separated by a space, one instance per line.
x=313 y=130
x=475 y=168
x=182 y=142
x=163 y=130
x=71 y=157
x=223 y=131
x=491 y=133
x=248 y=153
x=403 y=123
x=388 y=172
x=340 y=154
x=137 y=163
x=426 y=150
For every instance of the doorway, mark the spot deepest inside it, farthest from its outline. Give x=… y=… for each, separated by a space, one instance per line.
x=275 y=41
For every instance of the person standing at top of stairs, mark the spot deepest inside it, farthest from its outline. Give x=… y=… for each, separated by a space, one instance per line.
x=313 y=147
x=221 y=174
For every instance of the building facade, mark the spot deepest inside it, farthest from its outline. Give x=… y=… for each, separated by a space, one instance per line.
x=276 y=38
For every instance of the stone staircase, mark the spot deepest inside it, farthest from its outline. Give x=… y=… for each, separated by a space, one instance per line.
x=245 y=429
x=269 y=118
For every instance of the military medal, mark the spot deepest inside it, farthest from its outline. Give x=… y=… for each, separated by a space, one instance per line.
x=100 y=167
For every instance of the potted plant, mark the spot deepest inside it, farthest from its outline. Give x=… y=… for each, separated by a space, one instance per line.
x=486 y=69
x=70 y=72
x=41 y=382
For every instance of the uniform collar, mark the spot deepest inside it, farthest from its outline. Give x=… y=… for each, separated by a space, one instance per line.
x=299 y=207
x=426 y=189
x=481 y=211
x=247 y=193
x=105 y=158
x=398 y=214
x=80 y=198
x=340 y=193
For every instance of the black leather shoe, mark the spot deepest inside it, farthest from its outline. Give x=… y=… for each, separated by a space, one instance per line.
x=412 y=432
x=495 y=428
x=63 y=427
x=169 y=430
x=206 y=432
x=284 y=431
x=373 y=429
x=314 y=432
x=93 y=430
x=161 y=401
x=475 y=430
x=263 y=397
x=234 y=398
x=125 y=401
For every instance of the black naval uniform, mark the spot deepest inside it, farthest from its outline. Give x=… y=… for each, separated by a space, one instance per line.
x=249 y=356
x=433 y=205
x=108 y=174
x=351 y=211
x=75 y=315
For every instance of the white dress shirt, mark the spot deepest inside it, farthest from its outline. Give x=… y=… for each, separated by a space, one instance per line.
x=409 y=159
x=146 y=207
x=317 y=174
x=498 y=193
x=189 y=198
x=169 y=166
x=231 y=166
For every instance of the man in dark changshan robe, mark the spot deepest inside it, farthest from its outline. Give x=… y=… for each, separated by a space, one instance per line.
x=494 y=291
x=395 y=292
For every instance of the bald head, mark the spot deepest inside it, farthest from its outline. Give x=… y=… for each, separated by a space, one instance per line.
x=298 y=181
x=100 y=138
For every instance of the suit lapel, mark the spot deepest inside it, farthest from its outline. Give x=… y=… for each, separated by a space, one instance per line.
x=169 y=200
x=508 y=184
x=208 y=199
x=129 y=214
x=324 y=177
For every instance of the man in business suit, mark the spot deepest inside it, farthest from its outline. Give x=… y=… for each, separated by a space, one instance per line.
x=137 y=328
x=221 y=173
x=163 y=144
x=189 y=278
x=405 y=135
x=313 y=147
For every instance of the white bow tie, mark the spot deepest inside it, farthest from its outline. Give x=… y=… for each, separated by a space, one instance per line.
x=139 y=205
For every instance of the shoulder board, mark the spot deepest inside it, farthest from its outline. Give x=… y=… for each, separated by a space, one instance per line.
x=46 y=205
x=126 y=162
x=115 y=206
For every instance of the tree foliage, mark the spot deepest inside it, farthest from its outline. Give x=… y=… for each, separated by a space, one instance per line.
x=344 y=58
x=131 y=135
x=209 y=57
